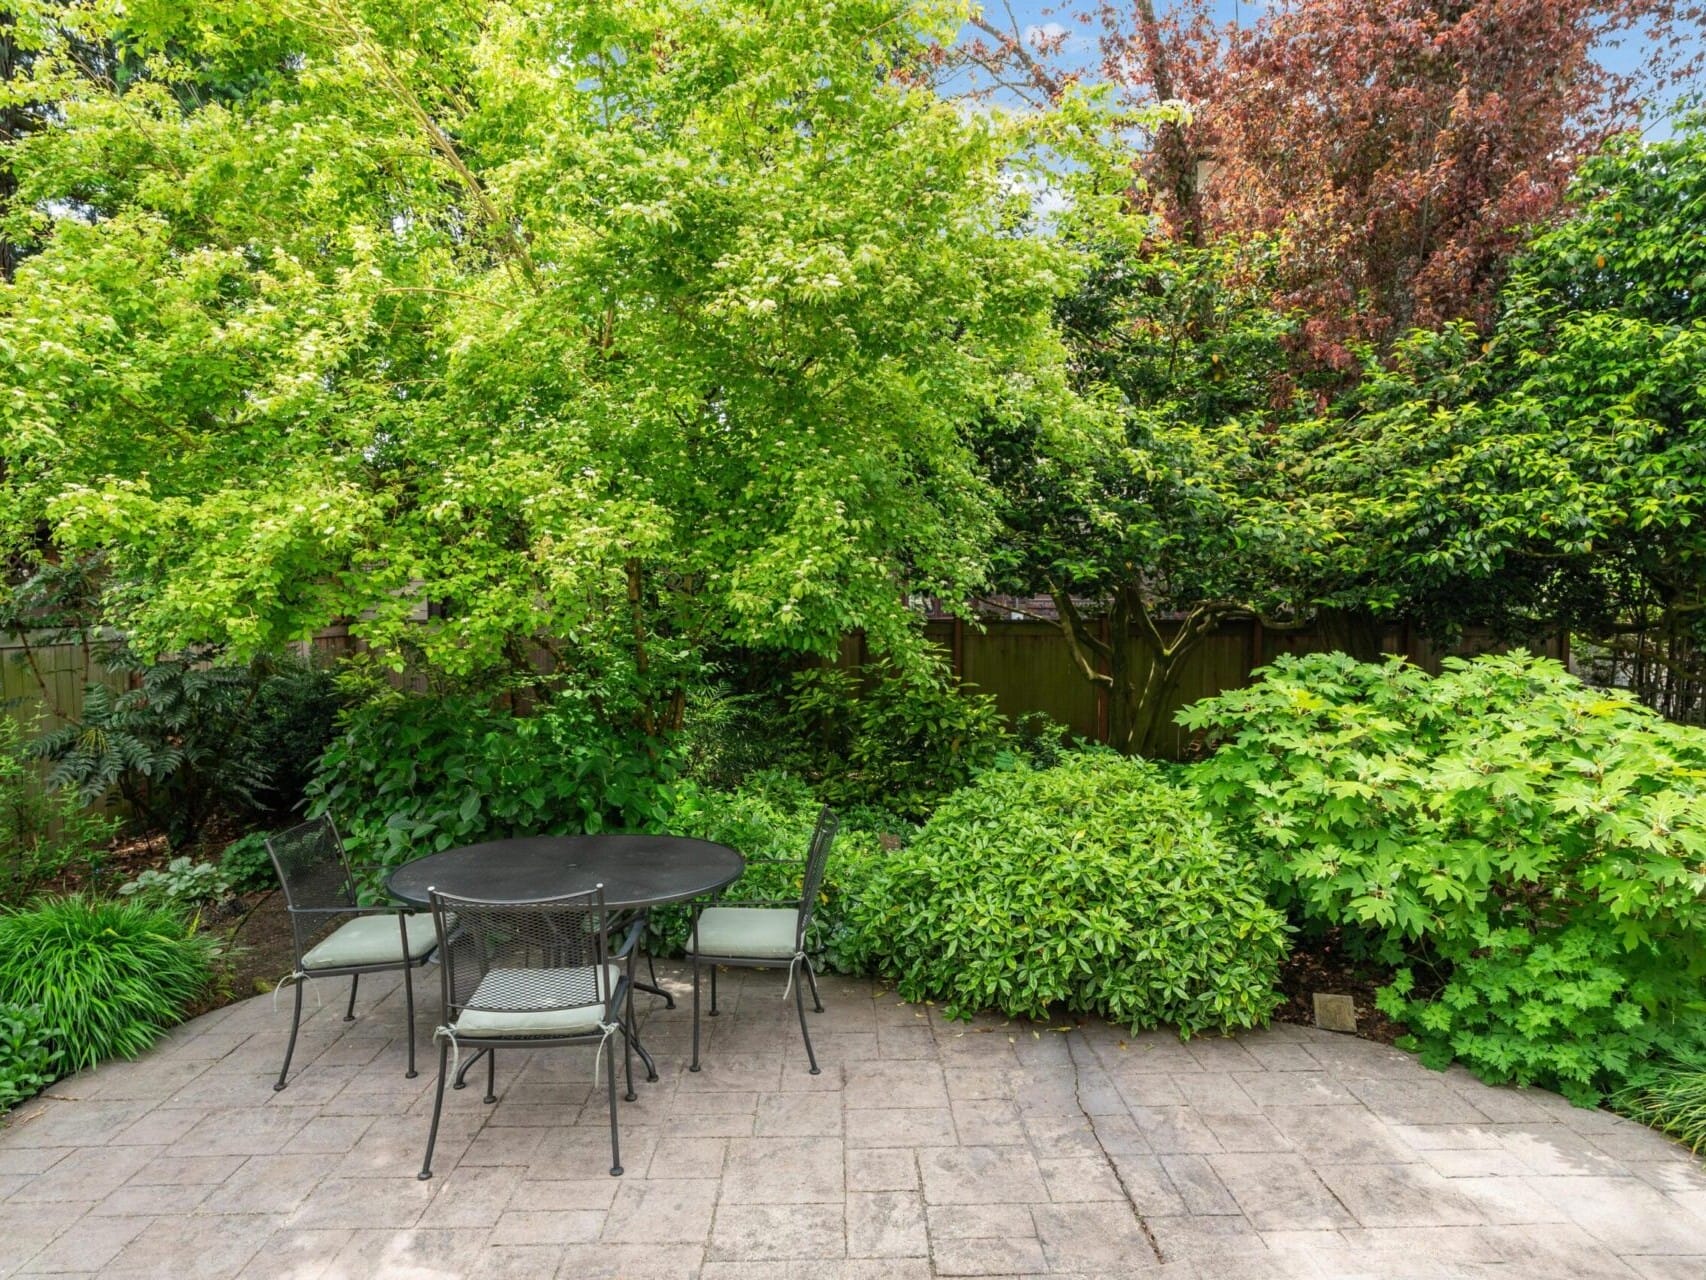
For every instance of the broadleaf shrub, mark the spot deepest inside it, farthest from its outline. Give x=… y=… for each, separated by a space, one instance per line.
x=28 y=1058
x=1529 y=851
x=246 y=864
x=409 y=776
x=771 y=816
x=900 y=740
x=108 y=976
x=1097 y=885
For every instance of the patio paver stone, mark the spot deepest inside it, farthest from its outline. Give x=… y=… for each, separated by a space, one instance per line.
x=926 y=1148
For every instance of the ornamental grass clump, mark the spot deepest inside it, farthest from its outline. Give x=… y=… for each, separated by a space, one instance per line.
x=1529 y=853
x=1092 y=887
x=107 y=977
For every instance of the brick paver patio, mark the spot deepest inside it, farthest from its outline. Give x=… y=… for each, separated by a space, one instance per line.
x=926 y=1148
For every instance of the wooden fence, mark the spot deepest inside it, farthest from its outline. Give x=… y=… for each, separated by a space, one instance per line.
x=1023 y=663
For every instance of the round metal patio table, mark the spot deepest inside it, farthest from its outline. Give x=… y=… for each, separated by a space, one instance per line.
x=637 y=871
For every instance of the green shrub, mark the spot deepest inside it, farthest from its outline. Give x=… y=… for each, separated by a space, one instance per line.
x=410 y=776
x=183 y=885
x=901 y=740
x=28 y=1059
x=771 y=816
x=291 y=721
x=1673 y=1100
x=1096 y=885
x=246 y=864
x=193 y=739
x=43 y=833
x=108 y=976
x=1527 y=849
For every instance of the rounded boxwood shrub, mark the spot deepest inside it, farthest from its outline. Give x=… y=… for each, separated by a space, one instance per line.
x=107 y=976
x=1096 y=885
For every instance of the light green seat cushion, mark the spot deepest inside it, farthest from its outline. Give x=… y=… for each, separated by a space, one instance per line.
x=372 y=940
x=759 y=933
x=537 y=986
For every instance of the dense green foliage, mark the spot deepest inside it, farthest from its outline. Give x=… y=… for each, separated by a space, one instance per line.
x=109 y=976
x=1674 y=1101
x=1097 y=886
x=193 y=739
x=1529 y=851
x=1547 y=473
x=28 y=1059
x=771 y=817
x=246 y=864
x=613 y=329
x=43 y=834
x=895 y=740
x=409 y=776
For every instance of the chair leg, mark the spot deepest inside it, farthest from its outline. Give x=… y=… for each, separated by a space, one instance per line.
x=800 y=1003
x=491 y=1076
x=694 y=1065
x=437 y=1107
x=615 y=1145
x=812 y=978
x=409 y=1006
x=628 y=1064
x=295 y=1025
x=713 y=991
x=354 y=982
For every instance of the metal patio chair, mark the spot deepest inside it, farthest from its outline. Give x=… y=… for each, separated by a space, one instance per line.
x=764 y=934
x=530 y=975
x=319 y=891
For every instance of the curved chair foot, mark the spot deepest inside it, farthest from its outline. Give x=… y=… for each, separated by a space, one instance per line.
x=277 y=1088
x=410 y=1075
x=423 y=1177
x=615 y=1171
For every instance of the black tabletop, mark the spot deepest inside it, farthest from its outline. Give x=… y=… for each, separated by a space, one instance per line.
x=635 y=870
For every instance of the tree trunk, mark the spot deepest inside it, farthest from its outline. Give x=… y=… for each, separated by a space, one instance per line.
x=1139 y=668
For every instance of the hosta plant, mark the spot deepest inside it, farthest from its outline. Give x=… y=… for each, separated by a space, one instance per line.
x=1529 y=852
x=1096 y=886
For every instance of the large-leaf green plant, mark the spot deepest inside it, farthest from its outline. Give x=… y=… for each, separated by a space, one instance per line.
x=1529 y=852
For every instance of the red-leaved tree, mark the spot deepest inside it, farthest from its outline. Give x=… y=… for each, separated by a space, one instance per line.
x=1403 y=147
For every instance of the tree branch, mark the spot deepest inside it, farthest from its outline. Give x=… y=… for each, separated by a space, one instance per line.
x=1083 y=645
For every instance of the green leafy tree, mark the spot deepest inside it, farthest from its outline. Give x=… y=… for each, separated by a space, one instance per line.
x=607 y=329
x=1151 y=534
x=1549 y=475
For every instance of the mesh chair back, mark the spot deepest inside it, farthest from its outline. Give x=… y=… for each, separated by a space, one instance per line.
x=532 y=957
x=314 y=871
x=817 y=858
